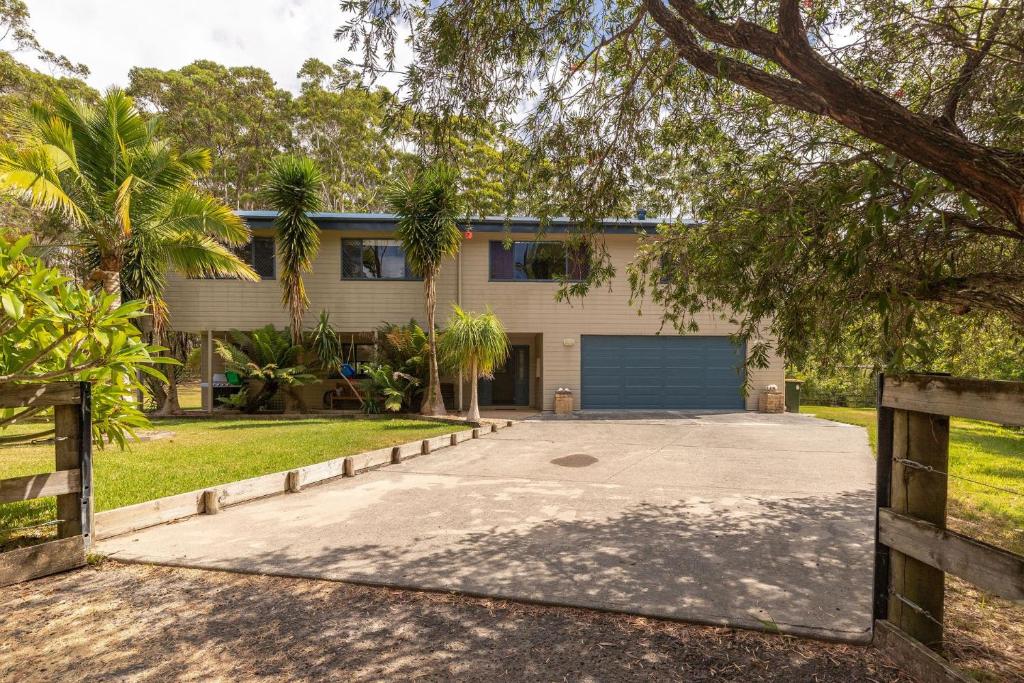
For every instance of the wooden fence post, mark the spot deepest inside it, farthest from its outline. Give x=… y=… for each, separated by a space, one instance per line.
x=85 y=462
x=883 y=492
x=67 y=437
x=916 y=602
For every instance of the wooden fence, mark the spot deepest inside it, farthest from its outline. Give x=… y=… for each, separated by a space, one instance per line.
x=71 y=483
x=914 y=550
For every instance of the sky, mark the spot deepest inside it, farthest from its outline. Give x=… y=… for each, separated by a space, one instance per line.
x=112 y=36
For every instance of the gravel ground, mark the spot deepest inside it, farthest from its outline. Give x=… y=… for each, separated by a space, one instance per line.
x=132 y=622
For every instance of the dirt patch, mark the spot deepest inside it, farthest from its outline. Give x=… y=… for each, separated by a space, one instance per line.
x=984 y=634
x=134 y=622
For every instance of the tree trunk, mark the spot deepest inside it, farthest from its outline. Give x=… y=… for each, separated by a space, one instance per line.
x=474 y=405
x=166 y=394
x=170 y=404
x=433 y=402
x=110 y=276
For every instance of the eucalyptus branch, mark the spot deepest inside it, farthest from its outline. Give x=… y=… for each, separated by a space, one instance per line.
x=969 y=68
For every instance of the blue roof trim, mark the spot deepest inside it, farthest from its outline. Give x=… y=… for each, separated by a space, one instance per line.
x=385 y=222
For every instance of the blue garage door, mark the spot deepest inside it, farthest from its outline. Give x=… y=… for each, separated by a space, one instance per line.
x=661 y=372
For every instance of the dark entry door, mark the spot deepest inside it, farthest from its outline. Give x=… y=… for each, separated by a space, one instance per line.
x=511 y=383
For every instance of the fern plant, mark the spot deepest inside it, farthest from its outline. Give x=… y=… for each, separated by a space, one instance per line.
x=387 y=388
x=268 y=362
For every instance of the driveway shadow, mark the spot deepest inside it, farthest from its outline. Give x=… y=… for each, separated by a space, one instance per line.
x=799 y=565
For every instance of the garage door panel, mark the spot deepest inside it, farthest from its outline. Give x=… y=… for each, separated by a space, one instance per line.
x=661 y=372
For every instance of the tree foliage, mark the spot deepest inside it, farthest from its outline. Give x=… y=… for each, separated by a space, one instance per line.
x=52 y=329
x=293 y=190
x=474 y=343
x=125 y=194
x=238 y=113
x=428 y=208
x=267 y=361
x=852 y=165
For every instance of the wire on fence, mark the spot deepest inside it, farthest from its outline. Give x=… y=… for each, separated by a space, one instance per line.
x=928 y=468
x=914 y=606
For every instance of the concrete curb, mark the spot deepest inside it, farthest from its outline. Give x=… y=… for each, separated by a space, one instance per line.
x=211 y=500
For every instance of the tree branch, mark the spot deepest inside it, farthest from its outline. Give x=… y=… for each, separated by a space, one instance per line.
x=780 y=90
x=969 y=69
x=991 y=175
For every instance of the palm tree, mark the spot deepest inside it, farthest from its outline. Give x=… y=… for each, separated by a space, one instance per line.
x=427 y=210
x=128 y=194
x=294 y=191
x=476 y=343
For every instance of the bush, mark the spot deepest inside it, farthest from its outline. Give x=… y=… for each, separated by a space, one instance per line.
x=52 y=329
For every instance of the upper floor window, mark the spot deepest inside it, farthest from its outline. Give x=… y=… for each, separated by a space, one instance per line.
x=374 y=260
x=260 y=254
x=539 y=261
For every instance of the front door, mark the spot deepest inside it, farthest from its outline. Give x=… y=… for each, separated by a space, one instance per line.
x=511 y=383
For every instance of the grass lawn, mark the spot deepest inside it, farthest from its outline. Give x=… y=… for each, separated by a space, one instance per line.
x=984 y=634
x=982 y=451
x=190 y=396
x=201 y=453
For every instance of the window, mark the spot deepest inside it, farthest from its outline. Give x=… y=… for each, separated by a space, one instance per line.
x=539 y=261
x=374 y=260
x=259 y=254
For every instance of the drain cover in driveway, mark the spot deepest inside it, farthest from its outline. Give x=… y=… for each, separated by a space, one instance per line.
x=574 y=460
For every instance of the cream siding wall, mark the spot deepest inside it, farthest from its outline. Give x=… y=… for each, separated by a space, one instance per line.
x=526 y=308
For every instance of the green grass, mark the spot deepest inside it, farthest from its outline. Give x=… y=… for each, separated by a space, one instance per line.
x=190 y=396
x=982 y=451
x=203 y=453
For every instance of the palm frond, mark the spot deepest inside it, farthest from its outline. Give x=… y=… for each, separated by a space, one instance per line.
x=196 y=255
x=470 y=339
x=194 y=211
x=428 y=210
x=294 y=190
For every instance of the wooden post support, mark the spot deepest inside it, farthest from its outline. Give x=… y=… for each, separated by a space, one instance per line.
x=67 y=438
x=348 y=467
x=494 y=427
x=455 y=439
x=396 y=455
x=211 y=501
x=425 y=447
x=88 y=514
x=883 y=493
x=476 y=433
x=922 y=440
x=294 y=481
x=508 y=423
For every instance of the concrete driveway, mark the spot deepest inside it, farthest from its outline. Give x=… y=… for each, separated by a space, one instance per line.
x=738 y=519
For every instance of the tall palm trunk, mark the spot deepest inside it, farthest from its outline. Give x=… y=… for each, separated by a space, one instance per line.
x=474 y=404
x=108 y=276
x=296 y=299
x=433 y=402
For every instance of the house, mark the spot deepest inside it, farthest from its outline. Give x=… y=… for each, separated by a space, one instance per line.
x=601 y=348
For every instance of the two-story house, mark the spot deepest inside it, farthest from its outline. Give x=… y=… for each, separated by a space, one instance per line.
x=600 y=347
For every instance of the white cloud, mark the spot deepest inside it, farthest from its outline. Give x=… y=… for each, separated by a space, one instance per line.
x=112 y=36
